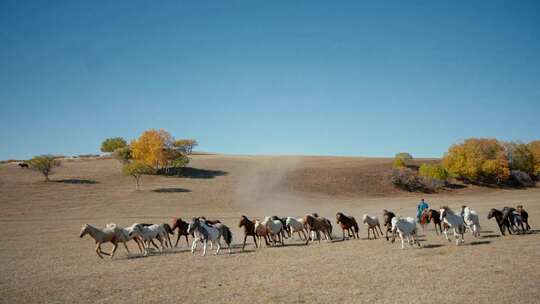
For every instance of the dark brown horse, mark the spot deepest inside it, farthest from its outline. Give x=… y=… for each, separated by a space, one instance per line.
x=524 y=216
x=347 y=223
x=318 y=224
x=434 y=216
x=387 y=218
x=501 y=220
x=249 y=230
x=182 y=227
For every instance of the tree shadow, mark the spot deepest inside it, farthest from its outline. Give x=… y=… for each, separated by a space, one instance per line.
x=77 y=181
x=455 y=186
x=189 y=172
x=171 y=190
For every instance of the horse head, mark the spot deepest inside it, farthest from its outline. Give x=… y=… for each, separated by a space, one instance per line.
x=443 y=212
x=339 y=216
x=84 y=230
x=364 y=218
x=243 y=221
x=194 y=224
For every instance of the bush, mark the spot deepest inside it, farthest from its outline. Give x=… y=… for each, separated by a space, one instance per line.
x=433 y=172
x=137 y=169
x=123 y=155
x=520 y=179
x=478 y=160
x=112 y=144
x=44 y=164
x=399 y=163
x=404 y=155
x=407 y=179
x=520 y=157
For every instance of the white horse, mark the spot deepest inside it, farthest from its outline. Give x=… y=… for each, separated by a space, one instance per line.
x=274 y=229
x=203 y=233
x=405 y=227
x=453 y=221
x=111 y=233
x=296 y=225
x=148 y=234
x=472 y=220
x=372 y=223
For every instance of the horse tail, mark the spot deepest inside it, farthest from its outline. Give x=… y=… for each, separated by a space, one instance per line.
x=227 y=235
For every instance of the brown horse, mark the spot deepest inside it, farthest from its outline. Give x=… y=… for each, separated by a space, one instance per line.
x=318 y=224
x=182 y=229
x=388 y=216
x=524 y=216
x=431 y=215
x=249 y=230
x=347 y=223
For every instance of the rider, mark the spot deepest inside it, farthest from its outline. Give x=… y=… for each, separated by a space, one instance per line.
x=423 y=205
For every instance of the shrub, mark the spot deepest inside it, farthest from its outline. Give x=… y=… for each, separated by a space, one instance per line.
x=478 y=160
x=520 y=157
x=123 y=155
x=137 y=169
x=433 y=172
x=44 y=164
x=407 y=179
x=399 y=163
x=112 y=144
x=520 y=179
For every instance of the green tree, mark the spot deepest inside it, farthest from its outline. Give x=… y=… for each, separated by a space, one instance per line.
x=521 y=158
x=44 y=164
x=112 y=144
x=399 y=163
x=124 y=155
x=405 y=156
x=185 y=145
x=137 y=169
x=436 y=171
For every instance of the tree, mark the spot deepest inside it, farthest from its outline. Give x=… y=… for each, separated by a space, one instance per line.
x=185 y=145
x=521 y=158
x=478 y=160
x=534 y=147
x=112 y=144
x=44 y=164
x=433 y=172
x=405 y=156
x=152 y=147
x=124 y=155
x=137 y=169
x=399 y=163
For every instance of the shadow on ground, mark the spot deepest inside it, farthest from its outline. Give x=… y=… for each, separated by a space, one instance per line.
x=77 y=181
x=189 y=172
x=171 y=190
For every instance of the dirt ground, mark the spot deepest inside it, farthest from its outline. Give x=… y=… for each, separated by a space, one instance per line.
x=45 y=261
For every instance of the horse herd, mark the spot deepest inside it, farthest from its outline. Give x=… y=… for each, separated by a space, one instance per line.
x=274 y=230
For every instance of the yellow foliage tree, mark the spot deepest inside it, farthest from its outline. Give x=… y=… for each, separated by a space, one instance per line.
x=534 y=147
x=478 y=160
x=152 y=147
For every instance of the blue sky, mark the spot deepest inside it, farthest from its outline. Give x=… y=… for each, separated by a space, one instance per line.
x=366 y=78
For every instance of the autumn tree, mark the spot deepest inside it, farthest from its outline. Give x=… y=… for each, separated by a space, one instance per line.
x=111 y=144
x=152 y=147
x=185 y=145
x=520 y=157
x=124 y=155
x=478 y=160
x=137 y=169
x=44 y=164
x=534 y=147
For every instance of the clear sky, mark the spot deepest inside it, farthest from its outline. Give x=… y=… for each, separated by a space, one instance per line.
x=367 y=78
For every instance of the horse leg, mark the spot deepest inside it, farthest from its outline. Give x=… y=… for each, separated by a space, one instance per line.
x=115 y=246
x=244 y=245
x=402 y=241
x=205 y=242
x=194 y=245
x=343 y=231
x=177 y=240
x=187 y=240
x=254 y=240
x=378 y=225
x=98 y=250
x=446 y=235
x=125 y=245
x=218 y=246
x=101 y=250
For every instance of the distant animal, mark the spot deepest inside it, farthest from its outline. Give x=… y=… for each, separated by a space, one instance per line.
x=434 y=216
x=148 y=234
x=472 y=221
x=318 y=225
x=453 y=221
x=261 y=231
x=182 y=227
x=406 y=228
x=295 y=225
x=274 y=228
x=23 y=165
x=347 y=223
x=249 y=230
x=502 y=222
x=388 y=216
x=203 y=233
x=524 y=216
x=372 y=223
x=110 y=234
x=514 y=218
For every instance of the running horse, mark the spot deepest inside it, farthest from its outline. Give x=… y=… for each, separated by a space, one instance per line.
x=249 y=230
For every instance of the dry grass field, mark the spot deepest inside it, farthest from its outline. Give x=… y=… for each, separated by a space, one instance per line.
x=45 y=261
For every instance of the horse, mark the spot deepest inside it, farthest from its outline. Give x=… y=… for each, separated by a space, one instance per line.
x=295 y=225
x=203 y=233
x=472 y=221
x=148 y=234
x=274 y=228
x=226 y=233
x=372 y=223
x=388 y=216
x=168 y=231
x=249 y=230
x=318 y=224
x=23 y=165
x=453 y=221
x=347 y=223
x=524 y=216
x=284 y=232
x=514 y=218
x=182 y=227
x=434 y=216
x=261 y=232
x=405 y=227
x=502 y=222
x=110 y=234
